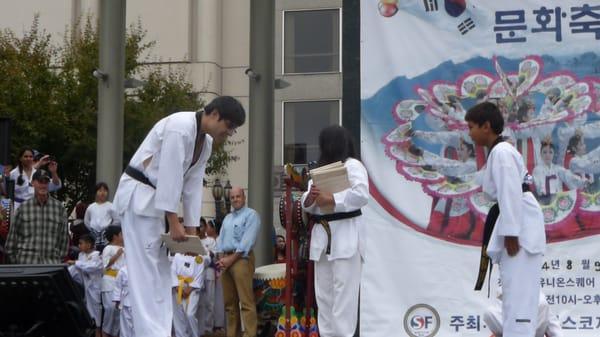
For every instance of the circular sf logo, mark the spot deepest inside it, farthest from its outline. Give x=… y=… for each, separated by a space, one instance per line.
x=421 y=320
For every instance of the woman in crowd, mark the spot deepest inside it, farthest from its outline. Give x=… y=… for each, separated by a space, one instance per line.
x=25 y=169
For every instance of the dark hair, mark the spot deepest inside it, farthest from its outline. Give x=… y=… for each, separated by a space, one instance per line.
x=80 y=209
x=101 y=185
x=523 y=110
x=202 y=220
x=549 y=144
x=486 y=112
x=88 y=238
x=336 y=144
x=573 y=142
x=229 y=108
x=470 y=147
x=111 y=231
x=20 y=179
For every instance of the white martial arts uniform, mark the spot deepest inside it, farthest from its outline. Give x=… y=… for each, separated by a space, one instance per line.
x=187 y=270
x=548 y=324
x=206 y=308
x=520 y=216
x=110 y=321
x=121 y=295
x=89 y=266
x=165 y=157
x=337 y=275
x=25 y=191
x=97 y=218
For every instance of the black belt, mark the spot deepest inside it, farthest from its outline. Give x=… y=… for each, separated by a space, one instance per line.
x=325 y=218
x=484 y=261
x=141 y=177
x=138 y=175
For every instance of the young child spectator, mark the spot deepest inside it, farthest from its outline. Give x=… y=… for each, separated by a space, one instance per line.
x=123 y=304
x=206 y=307
x=279 y=249
x=89 y=267
x=113 y=260
x=100 y=215
x=77 y=229
x=188 y=277
x=212 y=230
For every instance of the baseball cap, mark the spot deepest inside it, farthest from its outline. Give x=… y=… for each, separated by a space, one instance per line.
x=41 y=175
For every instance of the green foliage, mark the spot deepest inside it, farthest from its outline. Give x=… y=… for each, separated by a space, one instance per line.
x=52 y=98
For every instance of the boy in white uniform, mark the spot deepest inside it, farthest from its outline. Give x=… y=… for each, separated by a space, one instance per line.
x=112 y=261
x=167 y=168
x=89 y=266
x=122 y=302
x=188 y=278
x=518 y=240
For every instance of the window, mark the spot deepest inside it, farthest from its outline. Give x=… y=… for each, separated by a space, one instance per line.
x=311 y=41
x=302 y=122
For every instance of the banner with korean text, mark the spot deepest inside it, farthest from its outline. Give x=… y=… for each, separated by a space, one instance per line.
x=423 y=64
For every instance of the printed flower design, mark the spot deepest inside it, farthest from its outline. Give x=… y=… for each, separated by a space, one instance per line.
x=430 y=142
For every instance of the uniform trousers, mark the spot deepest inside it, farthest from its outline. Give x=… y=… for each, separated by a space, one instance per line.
x=337 y=284
x=238 y=293
x=93 y=304
x=520 y=278
x=149 y=275
x=548 y=324
x=185 y=321
x=205 y=314
x=126 y=323
x=110 y=320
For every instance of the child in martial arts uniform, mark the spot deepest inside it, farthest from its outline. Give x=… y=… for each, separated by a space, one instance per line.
x=112 y=260
x=123 y=304
x=89 y=266
x=100 y=215
x=205 y=313
x=188 y=277
x=337 y=257
x=517 y=240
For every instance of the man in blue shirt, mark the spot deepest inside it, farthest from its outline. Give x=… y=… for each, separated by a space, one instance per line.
x=234 y=246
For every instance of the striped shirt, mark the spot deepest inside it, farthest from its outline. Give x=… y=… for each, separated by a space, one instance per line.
x=39 y=234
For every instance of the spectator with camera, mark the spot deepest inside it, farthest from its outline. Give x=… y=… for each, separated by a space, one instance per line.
x=39 y=233
x=26 y=168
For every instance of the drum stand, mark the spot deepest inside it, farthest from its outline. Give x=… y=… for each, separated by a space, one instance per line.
x=292 y=271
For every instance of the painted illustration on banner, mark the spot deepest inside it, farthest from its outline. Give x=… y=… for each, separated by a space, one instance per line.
x=424 y=63
x=550 y=118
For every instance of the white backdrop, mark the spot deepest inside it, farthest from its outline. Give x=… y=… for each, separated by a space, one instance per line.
x=419 y=71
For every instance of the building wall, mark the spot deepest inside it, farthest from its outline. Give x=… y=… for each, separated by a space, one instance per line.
x=207 y=39
x=303 y=87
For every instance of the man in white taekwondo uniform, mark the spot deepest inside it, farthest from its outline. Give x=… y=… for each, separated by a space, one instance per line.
x=167 y=168
x=518 y=240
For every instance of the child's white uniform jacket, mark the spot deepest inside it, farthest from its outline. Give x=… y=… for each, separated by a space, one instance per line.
x=520 y=212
